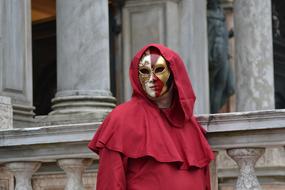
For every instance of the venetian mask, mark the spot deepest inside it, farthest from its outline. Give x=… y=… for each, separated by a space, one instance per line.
x=154 y=74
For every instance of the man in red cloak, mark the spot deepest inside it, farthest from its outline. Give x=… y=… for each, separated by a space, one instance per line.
x=153 y=141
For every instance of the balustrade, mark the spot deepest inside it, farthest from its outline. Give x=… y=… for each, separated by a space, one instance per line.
x=243 y=135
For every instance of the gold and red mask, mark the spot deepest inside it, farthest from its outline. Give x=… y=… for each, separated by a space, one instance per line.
x=154 y=74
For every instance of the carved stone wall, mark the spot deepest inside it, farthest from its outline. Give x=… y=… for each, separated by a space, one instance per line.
x=6 y=180
x=5 y=113
x=58 y=181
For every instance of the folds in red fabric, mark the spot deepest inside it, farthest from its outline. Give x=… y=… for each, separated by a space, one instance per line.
x=138 y=128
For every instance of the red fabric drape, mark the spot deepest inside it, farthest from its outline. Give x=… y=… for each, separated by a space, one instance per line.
x=138 y=128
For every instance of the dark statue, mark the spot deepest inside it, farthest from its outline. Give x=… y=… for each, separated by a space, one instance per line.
x=221 y=75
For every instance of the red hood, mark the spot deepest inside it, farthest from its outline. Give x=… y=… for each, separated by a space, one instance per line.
x=139 y=128
x=186 y=97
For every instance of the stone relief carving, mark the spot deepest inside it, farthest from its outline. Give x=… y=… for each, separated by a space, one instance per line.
x=58 y=181
x=5 y=113
x=6 y=180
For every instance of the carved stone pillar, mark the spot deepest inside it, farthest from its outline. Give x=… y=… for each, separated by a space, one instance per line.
x=83 y=76
x=15 y=57
x=254 y=55
x=74 y=169
x=246 y=159
x=23 y=172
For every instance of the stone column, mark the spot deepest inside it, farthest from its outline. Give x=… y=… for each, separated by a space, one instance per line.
x=15 y=57
x=194 y=49
x=254 y=59
x=83 y=76
x=23 y=172
x=246 y=159
x=74 y=169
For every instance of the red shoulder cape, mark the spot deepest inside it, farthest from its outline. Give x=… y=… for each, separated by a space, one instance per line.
x=139 y=128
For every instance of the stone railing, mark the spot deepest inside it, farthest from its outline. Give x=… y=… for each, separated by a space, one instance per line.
x=243 y=135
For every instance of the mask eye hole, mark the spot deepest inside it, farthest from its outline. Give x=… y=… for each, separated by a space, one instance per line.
x=144 y=71
x=159 y=69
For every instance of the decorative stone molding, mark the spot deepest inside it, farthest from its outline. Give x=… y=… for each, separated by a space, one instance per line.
x=23 y=172
x=246 y=159
x=58 y=181
x=6 y=179
x=6 y=113
x=74 y=169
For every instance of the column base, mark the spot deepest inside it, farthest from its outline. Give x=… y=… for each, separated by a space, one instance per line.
x=82 y=104
x=23 y=116
x=21 y=112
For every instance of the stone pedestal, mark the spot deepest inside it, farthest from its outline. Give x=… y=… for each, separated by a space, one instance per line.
x=74 y=169
x=6 y=116
x=254 y=59
x=15 y=54
x=23 y=172
x=83 y=77
x=246 y=159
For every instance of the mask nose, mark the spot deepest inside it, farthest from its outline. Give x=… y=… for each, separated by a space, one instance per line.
x=152 y=78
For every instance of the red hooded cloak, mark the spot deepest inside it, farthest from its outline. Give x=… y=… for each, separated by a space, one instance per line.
x=143 y=147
